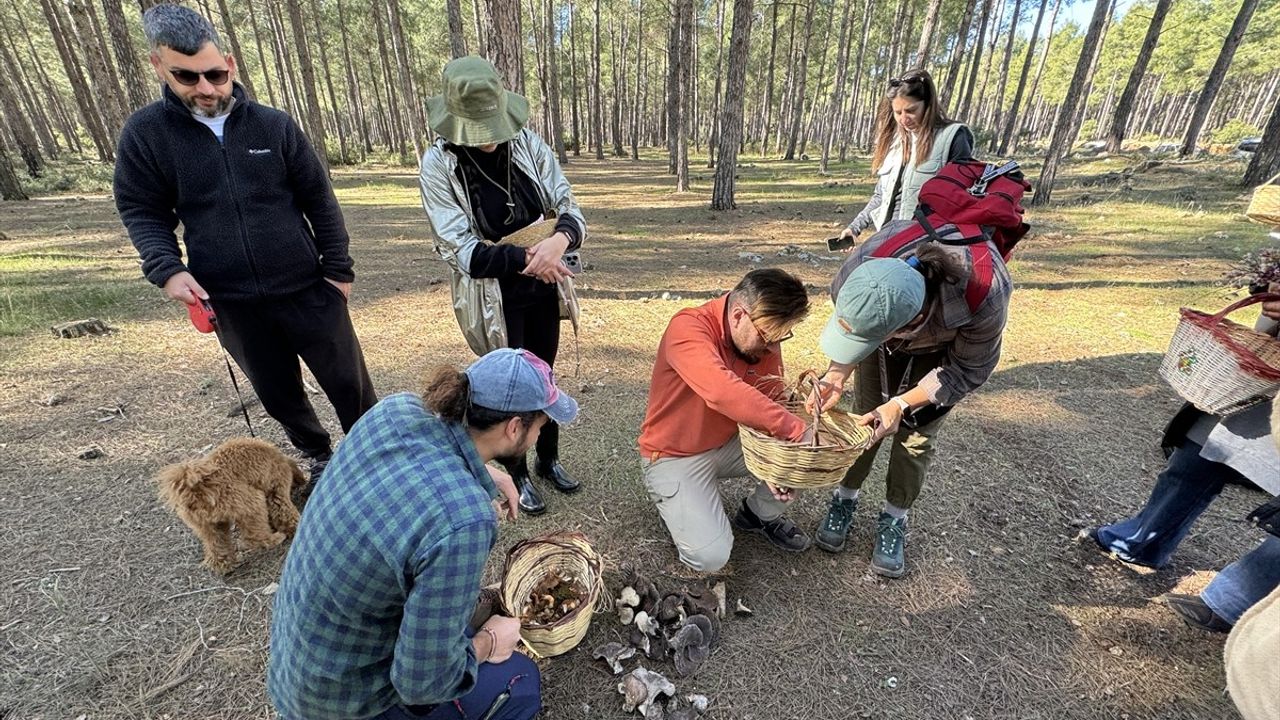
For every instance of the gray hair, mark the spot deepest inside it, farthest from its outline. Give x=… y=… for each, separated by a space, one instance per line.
x=179 y=28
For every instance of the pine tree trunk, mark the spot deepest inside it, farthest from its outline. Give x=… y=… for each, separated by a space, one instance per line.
x=262 y=55
x=355 y=106
x=457 y=37
x=1083 y=105
x=1217 y=75
x=636 y=105
x=768 y=93
x=1004 y=72
x=553 y=83
x=417 y=121
x=506 y=41
x=98 y=64
x=674 y=69
x=1266 y=159
x=987 y=104
x=926 y=34
x=1012 y=120
x=1063 y=133
x=597 y=102
x=79 y=88
x=242 y=74
x=837 y=91
x=684 y=93
x=715 y=98
x=734 y=98
x=1035 y=84
x=573 y=81
x=44 y=92
x=289 y=100
x=482 y=26
x=10 y=188
x=315 y=118
x=788 y=86
x=855 y=94
x=134 y=77
x=27 y=93
x=394 y=120
x=972 y=82
x=797 y=106
x=958 y=52
x=806 y=127
x=615 y=114
x=23 y=134
x=334 y=108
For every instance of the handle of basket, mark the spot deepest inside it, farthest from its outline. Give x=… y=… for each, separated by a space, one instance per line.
x=1245 y=302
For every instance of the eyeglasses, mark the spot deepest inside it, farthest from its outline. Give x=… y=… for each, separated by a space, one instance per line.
x=765 y=338
x=191 y=77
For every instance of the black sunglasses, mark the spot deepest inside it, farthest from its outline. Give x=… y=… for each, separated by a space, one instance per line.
x=911 y=80
x=191 y=77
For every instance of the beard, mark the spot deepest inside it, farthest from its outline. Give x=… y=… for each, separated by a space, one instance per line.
x=219 y=108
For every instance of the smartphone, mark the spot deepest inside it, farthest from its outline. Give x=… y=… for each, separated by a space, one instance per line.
x=840 y=243
x=573 y=261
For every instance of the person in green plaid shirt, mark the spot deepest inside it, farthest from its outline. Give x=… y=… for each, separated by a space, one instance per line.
x=371 y=618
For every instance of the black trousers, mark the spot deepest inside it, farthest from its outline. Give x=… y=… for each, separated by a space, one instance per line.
x=534 y=325
x=266 y=337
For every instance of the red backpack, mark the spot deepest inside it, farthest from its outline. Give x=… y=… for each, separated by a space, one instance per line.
x=969 y=203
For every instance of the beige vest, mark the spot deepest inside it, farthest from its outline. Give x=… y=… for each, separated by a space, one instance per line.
x=913 y=176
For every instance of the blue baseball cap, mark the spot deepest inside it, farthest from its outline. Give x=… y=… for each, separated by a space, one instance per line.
x=878 y=298
x=510 y=380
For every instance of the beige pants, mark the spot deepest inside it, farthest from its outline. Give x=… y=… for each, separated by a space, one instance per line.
x=686 y=491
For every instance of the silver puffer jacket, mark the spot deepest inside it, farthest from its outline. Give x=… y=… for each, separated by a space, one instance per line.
x=477 y=302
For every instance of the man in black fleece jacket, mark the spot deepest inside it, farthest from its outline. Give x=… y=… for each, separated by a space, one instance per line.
x=264 y=236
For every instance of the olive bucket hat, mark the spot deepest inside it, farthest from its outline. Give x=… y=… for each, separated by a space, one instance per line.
x=474 y=109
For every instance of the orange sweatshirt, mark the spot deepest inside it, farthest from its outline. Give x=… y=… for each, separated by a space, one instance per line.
x=701 y=389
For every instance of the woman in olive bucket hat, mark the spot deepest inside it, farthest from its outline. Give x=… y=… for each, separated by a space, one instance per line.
x=486 y=177
x=921 y=322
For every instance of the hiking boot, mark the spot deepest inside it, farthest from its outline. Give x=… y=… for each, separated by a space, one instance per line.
x=559 y=478
x=780 y=531
x=1196 y=613
x=888 y=558
x=834 y=530
x=319 y=461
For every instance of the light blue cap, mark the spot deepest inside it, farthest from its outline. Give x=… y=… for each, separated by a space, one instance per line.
x=878 y=298
x=510 y=380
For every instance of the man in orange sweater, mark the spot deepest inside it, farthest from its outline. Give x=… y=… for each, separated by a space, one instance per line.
x=719 y=365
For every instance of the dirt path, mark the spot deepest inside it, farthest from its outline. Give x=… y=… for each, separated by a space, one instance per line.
x=105 y=612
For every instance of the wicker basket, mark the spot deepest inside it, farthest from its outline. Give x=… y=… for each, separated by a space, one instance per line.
x=528 y=563
x=1220 y=366
x=804 y=465
x=1264 y=206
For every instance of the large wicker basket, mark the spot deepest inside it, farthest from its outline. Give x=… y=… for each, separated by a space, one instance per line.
x=805 y=465
x=1264 y=206
x=528 y=563
x=1221 y=366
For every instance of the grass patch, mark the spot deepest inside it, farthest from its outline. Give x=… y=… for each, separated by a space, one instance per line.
x=41 y=289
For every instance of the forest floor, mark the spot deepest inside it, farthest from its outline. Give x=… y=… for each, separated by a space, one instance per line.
x=105 y=611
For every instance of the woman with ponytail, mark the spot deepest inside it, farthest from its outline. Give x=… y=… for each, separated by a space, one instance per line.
x=373 y=615
x=921 y=323
x=914 y=139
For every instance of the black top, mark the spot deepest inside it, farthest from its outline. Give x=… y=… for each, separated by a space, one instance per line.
x=258 y=213
x=487 y=177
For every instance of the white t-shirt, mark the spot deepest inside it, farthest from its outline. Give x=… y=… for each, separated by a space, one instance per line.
x=213 y=123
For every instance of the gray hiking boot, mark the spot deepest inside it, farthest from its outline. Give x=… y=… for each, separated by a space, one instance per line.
x=888 y=558
x=834 y=530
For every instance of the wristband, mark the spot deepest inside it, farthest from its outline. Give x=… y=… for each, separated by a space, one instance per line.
x=906 y=406
x=493 y=643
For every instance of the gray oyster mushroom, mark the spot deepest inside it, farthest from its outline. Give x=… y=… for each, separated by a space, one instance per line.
x=614 y=653
x=640 y=688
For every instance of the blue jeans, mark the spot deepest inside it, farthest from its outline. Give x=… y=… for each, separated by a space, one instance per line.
x=1183 y=491
x=518 y=674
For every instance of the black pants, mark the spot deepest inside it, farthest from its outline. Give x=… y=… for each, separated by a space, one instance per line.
x=534 y=325
x=266 y=338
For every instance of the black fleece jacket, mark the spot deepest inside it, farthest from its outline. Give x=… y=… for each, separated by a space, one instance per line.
x=258 y=213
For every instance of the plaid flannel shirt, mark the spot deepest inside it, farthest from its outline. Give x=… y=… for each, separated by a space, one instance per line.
x=383 y=576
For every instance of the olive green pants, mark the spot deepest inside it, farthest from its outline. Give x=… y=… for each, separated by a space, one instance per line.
x=912 y=450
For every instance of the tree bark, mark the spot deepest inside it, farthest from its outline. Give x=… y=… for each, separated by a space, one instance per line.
x=24 y=134
x=27 y=93
x=1004 y=69
x=394 y=120
x=987 y=105
x=315 y=118
x=797 y=105
x=457 y=38
x=837 y=90
x=1063 y=133
x=132 y=74
x=637 y=102
x=102 y=140
x=715 y=98
x=788 y=85
x=684 y=93
x=553 y=83
x=972 y=82
x=722 y=190
x=262 y=56
x=1266 y=160
x=1124 y=108
x=243 y=74
x=958 y=52
x=1012 y=121
x=597 y=102
x=1035 y=84
x=417 y=121
x=353 y=87
x=926 y=34
x=289 y=96
x=1219 y=72
x=506 y=41
x=768 y=93
x=334 y=108
x=97 y=61
x=10 y=188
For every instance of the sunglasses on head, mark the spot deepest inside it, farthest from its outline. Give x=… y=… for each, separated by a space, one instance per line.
x=909 y=80
x=191 y=77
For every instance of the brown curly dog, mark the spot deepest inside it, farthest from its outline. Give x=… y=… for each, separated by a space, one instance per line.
x=244 y=482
